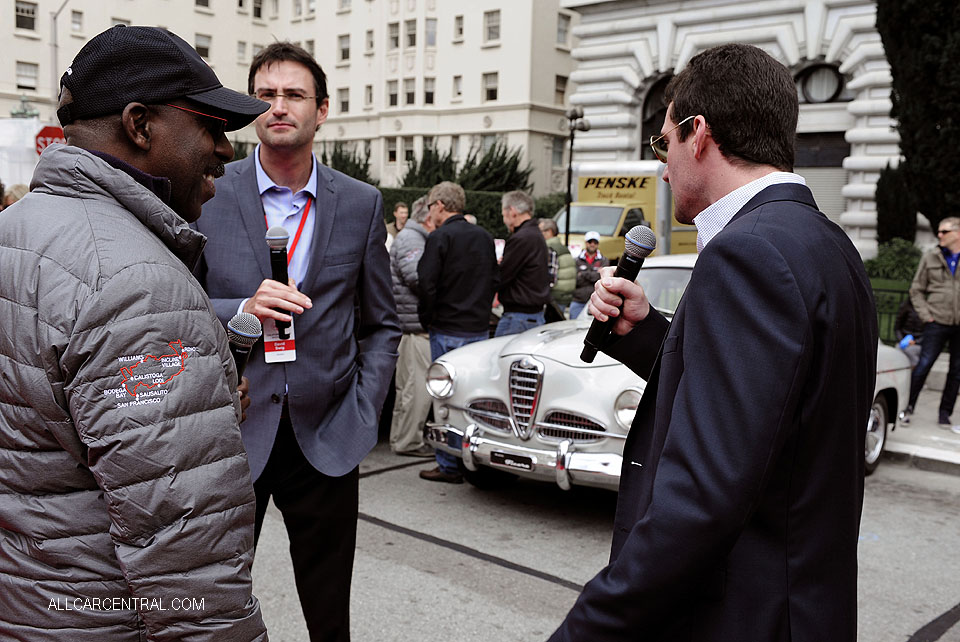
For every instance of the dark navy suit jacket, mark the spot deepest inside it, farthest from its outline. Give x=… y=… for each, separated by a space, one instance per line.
x=742 y=484
x=346 y=343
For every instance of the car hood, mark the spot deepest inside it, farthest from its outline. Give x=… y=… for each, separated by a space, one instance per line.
x=561 y=342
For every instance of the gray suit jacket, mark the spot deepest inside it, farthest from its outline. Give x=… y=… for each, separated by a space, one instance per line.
x=346 y=343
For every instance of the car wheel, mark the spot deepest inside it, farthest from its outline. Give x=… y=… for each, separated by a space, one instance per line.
x=876 y=434
x=487 y=478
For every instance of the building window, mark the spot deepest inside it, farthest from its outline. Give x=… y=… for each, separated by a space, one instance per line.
x=391 y=150
x=76 y=21
x=458 y=28
x=430 y=32
x=487 y=141
x=410 y=27
x=490 y=83
x=202 y=3
x=429 y=88
x=311 y=47
x=343 y=48
x=560 y=90
x=408 y=149
x=258 y=9
x=343 y=100
x=409 y=91
x=202 y=45
x=27 y=74
x=556 y=157
x=370 y=41
x=241 y=4
x=822 y=83
x=393 y=36
x=457 y=87
x=26 y=15
x=255 y=49
x=368 y=95
x=344 y=5
x=274 y=8
x=297 y=8
x=311 y=7
x=491 y=26
x=455 y=146
x=241 y=51
x=563 y=29
x=119 y=21
x=392 y=88
x=429 y=142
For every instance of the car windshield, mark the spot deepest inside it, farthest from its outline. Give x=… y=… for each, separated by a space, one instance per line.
x=663 y=286
x=586 y=218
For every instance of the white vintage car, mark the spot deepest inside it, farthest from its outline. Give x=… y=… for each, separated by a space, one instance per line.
x=526 y=405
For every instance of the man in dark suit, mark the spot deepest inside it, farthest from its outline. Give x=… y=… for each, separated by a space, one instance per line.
x=742 y=484
x=314 y=410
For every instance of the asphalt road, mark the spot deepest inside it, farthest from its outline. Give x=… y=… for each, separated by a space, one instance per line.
x=443 y=562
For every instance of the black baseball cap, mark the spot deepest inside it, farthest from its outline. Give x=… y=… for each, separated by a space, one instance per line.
x=151 y=66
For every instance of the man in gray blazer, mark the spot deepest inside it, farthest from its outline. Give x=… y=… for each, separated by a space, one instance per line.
x=316 y=397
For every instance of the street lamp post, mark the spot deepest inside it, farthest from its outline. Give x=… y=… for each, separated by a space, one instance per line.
x=577 y=123
x=55 y=83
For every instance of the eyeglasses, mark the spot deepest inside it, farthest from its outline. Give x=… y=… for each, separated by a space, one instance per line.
x=216 y=131
x=656 y=144
x=432 y=203
x=939 y=232
x=269 y=96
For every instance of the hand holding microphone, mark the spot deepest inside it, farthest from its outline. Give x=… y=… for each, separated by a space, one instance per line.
x=640 y=242
x=277 y=238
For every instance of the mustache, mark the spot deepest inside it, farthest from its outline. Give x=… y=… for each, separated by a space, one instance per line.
x=218 y=171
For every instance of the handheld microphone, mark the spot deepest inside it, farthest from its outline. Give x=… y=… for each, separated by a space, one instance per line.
x=640 y=242
x=277 y=238
x=243 y=330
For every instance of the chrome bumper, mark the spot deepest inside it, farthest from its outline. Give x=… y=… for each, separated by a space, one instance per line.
x=562 y=465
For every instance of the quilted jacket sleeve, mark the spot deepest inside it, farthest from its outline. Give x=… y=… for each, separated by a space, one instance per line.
x=149 y=385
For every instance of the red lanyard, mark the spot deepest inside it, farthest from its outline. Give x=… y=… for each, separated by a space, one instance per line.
x=296 y=237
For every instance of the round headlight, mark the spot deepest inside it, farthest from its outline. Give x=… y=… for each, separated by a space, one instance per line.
x=440 y=380
x=625 y=407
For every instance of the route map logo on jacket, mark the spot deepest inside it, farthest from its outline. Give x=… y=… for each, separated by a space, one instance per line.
x=143 y=380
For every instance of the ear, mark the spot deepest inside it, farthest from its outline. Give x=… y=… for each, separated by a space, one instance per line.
x=322 y=110
x=700 y=135
x=137 y=123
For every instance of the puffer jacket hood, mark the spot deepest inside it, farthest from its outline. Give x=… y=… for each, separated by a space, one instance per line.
x=123 y=482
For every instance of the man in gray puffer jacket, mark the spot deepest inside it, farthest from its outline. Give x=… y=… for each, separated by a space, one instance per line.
x=412 y=401
x=126 y=507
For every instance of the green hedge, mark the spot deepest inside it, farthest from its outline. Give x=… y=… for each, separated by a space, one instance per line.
x=484 y=205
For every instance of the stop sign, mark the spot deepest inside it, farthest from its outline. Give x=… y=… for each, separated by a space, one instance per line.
x=48 y=135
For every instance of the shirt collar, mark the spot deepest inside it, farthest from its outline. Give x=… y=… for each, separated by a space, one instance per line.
x=265 y=183
x=156 y=184
x=714 y=218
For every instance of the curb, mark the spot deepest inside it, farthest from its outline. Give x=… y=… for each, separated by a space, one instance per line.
x=923 y=457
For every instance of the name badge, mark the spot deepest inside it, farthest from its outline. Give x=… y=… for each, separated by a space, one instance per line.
x=277 y=348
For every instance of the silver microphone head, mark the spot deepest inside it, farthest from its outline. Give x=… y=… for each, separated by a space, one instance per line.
x=244 y=329
x=641 y=241
x=277 y=237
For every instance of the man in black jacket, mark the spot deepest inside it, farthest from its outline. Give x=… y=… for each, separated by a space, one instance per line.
x=458 y=278
x=524 y=273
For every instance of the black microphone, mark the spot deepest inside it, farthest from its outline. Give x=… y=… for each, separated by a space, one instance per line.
x=640 y=242
x=277 y=238
x=243 y=330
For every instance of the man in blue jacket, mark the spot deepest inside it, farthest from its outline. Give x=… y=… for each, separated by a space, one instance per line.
x=739 y=507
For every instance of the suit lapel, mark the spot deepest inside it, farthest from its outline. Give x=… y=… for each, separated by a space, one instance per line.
x=325 y=213
x=251 y=212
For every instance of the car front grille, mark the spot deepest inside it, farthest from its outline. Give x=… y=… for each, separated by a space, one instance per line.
x=525 y=379
x=566 y=425
x=492 y=413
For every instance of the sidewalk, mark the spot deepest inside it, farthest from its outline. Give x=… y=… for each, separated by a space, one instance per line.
x=922 y=443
